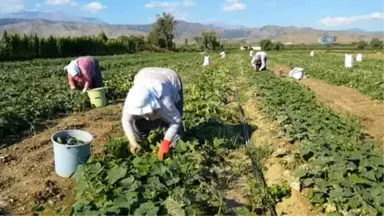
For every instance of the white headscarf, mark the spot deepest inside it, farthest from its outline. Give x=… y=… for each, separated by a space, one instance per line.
x=141 y=101
x=73 y=68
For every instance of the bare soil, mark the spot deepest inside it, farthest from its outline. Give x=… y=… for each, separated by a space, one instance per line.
x=280 y=163
x=27 y=175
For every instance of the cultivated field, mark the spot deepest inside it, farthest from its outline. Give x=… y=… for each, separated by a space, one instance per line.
x=318 y=146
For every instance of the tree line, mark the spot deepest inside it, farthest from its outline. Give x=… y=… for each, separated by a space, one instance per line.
x=375 y=44
x=160 y=38
x=31 y=46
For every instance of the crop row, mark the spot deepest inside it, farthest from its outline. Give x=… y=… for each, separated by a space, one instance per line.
x=188 y=181
x=33 y=91
x=366 y=76
x=337 y=163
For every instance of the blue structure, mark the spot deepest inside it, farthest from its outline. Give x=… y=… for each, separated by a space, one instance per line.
x=327 y=39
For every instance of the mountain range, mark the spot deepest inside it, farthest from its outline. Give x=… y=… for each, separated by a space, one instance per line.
x=58 y=23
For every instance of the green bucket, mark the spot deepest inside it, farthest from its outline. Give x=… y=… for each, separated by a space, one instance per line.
x=97 y=97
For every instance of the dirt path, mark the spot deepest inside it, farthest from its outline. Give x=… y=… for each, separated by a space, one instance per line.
x=27 y=175
x=280 y=163
x=279 y=157
x=346 y=101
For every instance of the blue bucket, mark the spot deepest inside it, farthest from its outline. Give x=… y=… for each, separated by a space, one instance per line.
x=68 y=157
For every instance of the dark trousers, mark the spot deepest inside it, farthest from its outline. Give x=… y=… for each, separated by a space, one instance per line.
x=258 y=65
x=142 y=127
x=97 y=79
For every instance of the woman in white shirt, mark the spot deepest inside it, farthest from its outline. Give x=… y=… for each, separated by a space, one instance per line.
x=155 y=101
x=259 y=61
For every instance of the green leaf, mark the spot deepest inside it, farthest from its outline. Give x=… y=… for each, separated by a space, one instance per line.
x=127 y=181
x=242 y=211
x=347 y=192
x=308 y=182
x=355 y=156
x=352 y=166
x=172 y=181
x=174 y=207
x=317 y=198
x=143 y=169
x=201 y=197
x=299 y=173
x=368 y=210
x=125 y=200
x=354 y=203
x=193 y=211
x=321 y=185
x=376 y=161
x=148 y=209
x=336 y=193
x=116 y=173
x=370 y=175
x=358 y=180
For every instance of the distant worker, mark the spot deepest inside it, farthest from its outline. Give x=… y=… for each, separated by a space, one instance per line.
x=259 y=61
x=312 y=53
x=154 y=102
x=84 y=73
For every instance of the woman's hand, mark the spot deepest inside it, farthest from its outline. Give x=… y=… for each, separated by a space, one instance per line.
x=134 y=147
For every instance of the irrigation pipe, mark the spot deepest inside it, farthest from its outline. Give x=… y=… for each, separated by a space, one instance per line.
x=255 y=168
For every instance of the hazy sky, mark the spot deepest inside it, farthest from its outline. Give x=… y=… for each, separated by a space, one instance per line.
x=325 y=14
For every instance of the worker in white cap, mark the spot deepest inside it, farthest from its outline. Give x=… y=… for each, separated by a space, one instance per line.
x=84 y=73
x=259 y=61
x=155 y=101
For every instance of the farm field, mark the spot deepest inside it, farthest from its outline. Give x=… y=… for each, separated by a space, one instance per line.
x=43 y=92
x=345 y=97
x=325 y=158
x=366 y=76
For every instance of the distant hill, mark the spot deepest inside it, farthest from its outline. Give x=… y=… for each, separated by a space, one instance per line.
x=62 y=25
x=56 y=16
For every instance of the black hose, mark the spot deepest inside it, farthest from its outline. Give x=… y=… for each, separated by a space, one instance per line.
x=255 y=168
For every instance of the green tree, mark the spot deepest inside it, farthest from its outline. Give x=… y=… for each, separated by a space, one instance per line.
x=376 y=43
x=163 y=31
x=15 y=46
x=102 y=36
x=36 y=45
x=362 y=45
x=278 y=46
x=266 y=45
x=5 y=45
x=208 y=41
